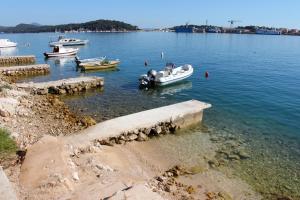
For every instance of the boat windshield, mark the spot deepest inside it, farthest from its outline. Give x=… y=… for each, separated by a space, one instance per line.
x=61 y=37
x=171 y=65
x=56 y=49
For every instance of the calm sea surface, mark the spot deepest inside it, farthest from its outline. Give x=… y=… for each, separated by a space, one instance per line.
x=253 y=85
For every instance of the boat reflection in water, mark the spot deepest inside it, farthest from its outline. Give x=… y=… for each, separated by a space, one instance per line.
x=61 y=62
x=170 y=89
x=9 y=51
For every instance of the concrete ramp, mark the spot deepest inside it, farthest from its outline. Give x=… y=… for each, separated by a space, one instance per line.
x=6 y=190
x=182 y=114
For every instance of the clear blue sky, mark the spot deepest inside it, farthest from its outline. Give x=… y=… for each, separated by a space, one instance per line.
x=153 y=13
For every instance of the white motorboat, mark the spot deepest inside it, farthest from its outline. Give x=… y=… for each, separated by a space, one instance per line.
x=169 y=75
x=60 y=51
x=6 y=43
x=68 y=41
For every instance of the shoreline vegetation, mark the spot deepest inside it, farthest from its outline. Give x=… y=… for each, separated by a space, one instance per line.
x=91 y=26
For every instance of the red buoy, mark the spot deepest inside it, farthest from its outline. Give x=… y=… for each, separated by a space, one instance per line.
x=206 y=74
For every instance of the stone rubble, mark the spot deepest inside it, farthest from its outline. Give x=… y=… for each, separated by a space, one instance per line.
x=140 y=135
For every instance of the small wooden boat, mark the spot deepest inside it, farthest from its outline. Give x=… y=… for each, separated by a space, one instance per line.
x=98 y=65
x=60 y=51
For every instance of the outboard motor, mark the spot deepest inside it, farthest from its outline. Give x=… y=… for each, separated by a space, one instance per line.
x=151 y=73
x=148 y=80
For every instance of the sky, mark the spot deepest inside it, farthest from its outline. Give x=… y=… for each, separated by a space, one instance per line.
x=153 y=13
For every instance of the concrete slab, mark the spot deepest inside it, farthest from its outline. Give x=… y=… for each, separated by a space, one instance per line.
x=182 y=114
x=6 y=190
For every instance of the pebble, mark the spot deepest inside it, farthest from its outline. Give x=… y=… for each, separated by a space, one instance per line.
x=75 y=176
x=4 y=113
x=142 y=137
x=133 y=137
x=225 y=196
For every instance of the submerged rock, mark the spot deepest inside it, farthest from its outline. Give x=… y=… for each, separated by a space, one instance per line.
x=233 y=157
x=190 y=189
x=224 y=196
x=213 y=163
x=242 y=154
x=88 y=121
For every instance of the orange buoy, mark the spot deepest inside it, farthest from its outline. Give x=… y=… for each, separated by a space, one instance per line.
x=206 y=74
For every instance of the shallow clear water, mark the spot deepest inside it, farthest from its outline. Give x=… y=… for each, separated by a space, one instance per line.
x=253 y=85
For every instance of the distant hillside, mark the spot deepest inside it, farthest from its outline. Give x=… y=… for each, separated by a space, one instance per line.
x=98 y=25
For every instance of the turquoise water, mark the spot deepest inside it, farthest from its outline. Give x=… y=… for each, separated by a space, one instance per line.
x=253 y=85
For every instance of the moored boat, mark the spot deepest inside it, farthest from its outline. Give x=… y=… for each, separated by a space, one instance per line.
x=97 y=64
x=89 y=60
x=6 y=43
x=169 y=75
x=68 y=41
x=60 y=51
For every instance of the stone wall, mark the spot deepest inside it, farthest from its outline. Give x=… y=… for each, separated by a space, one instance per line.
x=16 y=60
x=25 y=70
x=69 y=88
x=142 y=134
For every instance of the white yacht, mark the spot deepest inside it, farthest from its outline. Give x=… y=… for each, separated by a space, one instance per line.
x=169 y=75
x=68 y=41
x=60 y=51
x=5 y=43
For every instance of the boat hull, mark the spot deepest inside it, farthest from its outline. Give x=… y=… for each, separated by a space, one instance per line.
x=50 y=55
x=171 y=81
x=8 y=45
x=91 y=66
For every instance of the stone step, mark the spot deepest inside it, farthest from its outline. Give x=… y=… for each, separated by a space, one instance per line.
x=25 y=70
x=17 y=60
x=64 y=86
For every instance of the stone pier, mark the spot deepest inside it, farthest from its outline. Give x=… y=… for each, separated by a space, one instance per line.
x=25 y=70
x=17 y=60
x=64 y=86
x=139 y=126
